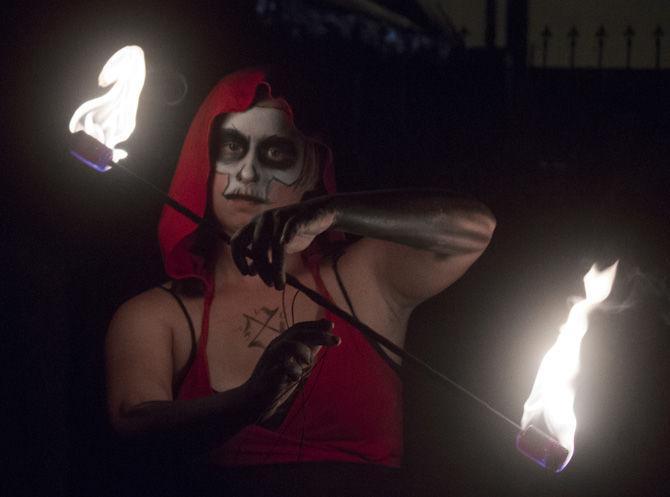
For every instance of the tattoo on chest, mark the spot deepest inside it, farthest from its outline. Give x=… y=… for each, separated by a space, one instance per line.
x=262 y=325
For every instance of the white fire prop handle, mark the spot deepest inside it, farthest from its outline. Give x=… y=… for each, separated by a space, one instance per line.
x=110 y=119
x=553 y=394
x=100 y=124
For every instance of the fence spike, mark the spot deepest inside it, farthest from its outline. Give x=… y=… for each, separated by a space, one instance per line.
x=546 y=34
x=658 y=34
x=573 y=34
x=601 y=34
x=629 y=34
x=464 y=32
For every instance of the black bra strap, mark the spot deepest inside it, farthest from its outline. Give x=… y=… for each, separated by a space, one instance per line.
x=394 y=365
x=194 y=346
x=342 y=289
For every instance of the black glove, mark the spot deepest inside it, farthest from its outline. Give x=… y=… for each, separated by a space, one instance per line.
x=286 y=362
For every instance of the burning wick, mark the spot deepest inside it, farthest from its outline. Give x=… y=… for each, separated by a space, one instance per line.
x=553 y=394
x=94 y=154
x=110 y=119
x=543 y=449
x=98 y=125
x=91 y=152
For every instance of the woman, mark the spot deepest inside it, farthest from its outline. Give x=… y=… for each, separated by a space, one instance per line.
x=256 y=375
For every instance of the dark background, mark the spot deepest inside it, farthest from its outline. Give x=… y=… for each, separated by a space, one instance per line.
x=573 y=163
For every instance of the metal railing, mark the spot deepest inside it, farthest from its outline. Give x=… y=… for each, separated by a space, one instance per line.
x=601 y=36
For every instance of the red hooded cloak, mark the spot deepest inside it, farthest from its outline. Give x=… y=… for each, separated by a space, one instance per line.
x=354 y=413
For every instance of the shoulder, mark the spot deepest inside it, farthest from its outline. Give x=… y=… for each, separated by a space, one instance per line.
x=139 y=352
x=154 y=306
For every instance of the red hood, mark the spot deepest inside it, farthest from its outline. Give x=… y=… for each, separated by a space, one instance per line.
x=234 y=93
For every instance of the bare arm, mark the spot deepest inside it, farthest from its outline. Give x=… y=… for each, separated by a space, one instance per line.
x=140 y=377
x=139 y=368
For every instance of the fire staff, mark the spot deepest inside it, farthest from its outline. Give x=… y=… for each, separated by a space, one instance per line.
x=228 y=361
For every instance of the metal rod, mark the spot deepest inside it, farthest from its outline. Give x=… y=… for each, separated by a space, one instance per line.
x=182 y=209
x=319 y=299
x=406 y=356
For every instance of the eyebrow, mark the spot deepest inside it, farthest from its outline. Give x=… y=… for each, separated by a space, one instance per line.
x=232 y=132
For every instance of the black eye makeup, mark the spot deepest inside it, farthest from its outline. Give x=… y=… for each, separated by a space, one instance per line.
x=232 y=145
x=278 y=152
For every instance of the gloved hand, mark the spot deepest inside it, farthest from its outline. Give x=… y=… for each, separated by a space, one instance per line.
x=276 y=232
x=287 y=360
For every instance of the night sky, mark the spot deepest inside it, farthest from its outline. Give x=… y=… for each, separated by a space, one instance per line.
x=573 y=164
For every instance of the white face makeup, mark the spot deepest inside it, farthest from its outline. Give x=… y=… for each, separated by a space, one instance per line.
x=255 y=148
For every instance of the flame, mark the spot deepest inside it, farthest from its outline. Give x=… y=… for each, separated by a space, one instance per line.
x=110 y=119
x=553 y=392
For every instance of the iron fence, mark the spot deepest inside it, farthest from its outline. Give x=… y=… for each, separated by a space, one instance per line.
x=602 y=36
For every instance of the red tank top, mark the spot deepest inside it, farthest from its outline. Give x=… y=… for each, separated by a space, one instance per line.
x=349 y=410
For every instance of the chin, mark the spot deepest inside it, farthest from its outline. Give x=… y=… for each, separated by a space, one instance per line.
x=234 y=221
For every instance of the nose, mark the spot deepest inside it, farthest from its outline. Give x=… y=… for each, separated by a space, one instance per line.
x=248 y=172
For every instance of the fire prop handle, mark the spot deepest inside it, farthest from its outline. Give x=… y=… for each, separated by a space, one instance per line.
x=94 y=154
x=98 y=125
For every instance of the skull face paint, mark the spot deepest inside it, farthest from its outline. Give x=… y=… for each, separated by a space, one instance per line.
x=255 y=148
